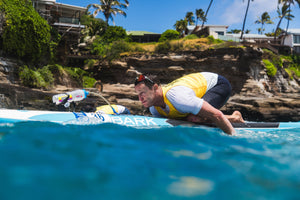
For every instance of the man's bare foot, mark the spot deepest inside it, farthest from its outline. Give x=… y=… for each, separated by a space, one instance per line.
x=236 y=117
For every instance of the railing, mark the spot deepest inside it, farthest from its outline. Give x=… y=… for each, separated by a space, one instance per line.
x=68 y=20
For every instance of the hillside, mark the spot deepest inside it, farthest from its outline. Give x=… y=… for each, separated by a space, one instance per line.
x=259 y=96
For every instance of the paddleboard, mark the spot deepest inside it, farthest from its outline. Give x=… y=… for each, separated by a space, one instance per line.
x=88 y=118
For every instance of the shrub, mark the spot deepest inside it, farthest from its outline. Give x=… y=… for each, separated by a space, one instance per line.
x=90 y=63
x=56 y=69
x=114 y=33
x=26 y=34
x=191 y=37
x=76 y=73
x=271 y=69
x=116 y=48
x=177 y=45
x=110 y=51
x=47 y=76
x=169 y=35
x=212 y=40
x=88 y=82
x=163 y=47
x=41 y=78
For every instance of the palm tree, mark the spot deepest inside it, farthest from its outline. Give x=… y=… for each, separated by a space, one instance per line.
x=181 y=26
x=283 y=13
x=109 y=8
x=205 y=16
x=245 y=19
x=190 y=18
x=200 y=15
x=264 y=19
x=289 y=3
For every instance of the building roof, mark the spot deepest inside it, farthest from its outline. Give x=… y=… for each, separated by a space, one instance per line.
x=71 y=6
x=237 y=35
x=294 y=31
x=140 y=33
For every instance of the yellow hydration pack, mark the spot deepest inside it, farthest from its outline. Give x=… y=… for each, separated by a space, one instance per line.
x=107 y=109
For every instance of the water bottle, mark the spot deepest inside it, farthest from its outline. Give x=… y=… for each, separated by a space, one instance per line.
x=73 y=96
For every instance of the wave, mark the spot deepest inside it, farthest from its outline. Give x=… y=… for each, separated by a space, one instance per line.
x=110 y=161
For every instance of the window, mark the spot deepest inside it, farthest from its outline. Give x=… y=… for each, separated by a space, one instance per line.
x=297 y=49
x=296 y=39
x=220 y=32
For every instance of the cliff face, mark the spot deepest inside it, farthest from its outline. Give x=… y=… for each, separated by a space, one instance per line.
x=257 y=96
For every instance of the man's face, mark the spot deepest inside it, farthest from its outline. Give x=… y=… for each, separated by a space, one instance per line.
x=146 y=95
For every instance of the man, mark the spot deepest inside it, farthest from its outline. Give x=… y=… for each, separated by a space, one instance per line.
x=195 y=97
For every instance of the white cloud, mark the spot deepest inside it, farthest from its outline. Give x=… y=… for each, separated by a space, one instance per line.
x=235 y=12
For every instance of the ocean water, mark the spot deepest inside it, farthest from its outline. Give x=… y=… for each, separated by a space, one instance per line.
x=40 y=160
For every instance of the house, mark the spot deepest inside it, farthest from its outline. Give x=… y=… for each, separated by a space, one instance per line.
x=65 y=18
x=214 y=30
x=291 y=38
x=252 y=38
x=143 y=36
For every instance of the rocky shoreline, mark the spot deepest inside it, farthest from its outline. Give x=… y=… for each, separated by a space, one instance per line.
x=257 y=96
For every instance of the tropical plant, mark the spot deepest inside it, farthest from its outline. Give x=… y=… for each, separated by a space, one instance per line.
x=181 y=26
x=190 y=18
x=200 y=15
x=283 y=13
x=40 y=78
x=264 y=19
x=169 y=35
x=94 y=26
x=205 y=16
x=114 y=33
x=234 y=31
x=110 y=8
x=289 y=3
x=26 y=34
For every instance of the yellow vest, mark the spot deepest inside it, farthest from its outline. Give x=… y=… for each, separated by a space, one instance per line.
x=195 y=81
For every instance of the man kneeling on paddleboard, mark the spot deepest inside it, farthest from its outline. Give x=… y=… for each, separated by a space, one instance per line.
x=195 y=97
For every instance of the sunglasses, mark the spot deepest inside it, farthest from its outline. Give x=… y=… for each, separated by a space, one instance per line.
x=143 y=78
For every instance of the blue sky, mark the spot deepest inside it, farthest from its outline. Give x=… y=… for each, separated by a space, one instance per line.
x=159 y=15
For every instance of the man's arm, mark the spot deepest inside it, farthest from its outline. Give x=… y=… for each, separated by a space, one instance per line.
x=215 y=115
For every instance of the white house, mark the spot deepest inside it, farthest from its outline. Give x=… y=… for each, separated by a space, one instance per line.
x=291 y=39
x=64 y=17
x=253 y=38
x=214 y=30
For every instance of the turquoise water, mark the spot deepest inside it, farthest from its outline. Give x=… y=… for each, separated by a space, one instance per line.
x=42 y=160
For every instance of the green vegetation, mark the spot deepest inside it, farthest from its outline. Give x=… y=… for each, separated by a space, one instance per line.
x=44 y=77
x=291 y=63
x=169 y=35
x=110 y=8
x=271 y=69
x=212 y=40
x=191 y=37
x=80 y=76
x=169 y=46
x=114 y=33
x=293 y=67
x=26 y=34
x=41 y=78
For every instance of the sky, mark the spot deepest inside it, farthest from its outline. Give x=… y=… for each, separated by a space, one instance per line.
x=159 y=15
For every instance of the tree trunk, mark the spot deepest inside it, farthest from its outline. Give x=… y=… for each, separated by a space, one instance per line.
x=245 y=20
x=206 y=13
x=277 y=28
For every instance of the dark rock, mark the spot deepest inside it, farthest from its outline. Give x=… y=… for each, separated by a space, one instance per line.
x=255 y=94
